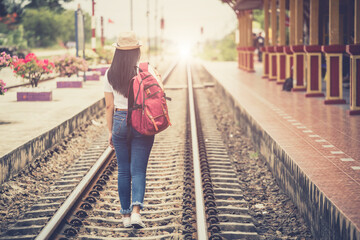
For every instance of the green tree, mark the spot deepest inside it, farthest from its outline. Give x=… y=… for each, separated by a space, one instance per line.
x=54 y=5
x=258 y=16
x=16 y=38
x=44 y=28
x=220 y=50
x=10 y=7
x=41 y=27
x=67 y=26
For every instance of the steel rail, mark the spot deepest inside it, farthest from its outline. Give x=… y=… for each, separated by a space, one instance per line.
x=199 y=199
x=169 y=71
x=61 y=213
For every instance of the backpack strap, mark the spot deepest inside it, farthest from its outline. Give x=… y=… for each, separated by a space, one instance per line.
x=144 y=66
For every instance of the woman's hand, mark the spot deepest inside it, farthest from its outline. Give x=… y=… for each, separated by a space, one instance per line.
x=110 y=141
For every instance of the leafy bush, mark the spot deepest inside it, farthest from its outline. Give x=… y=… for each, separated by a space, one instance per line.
x=6 y=60
x=220 y=50
x=44 y=27
x=2 y=87
x=68 y=65
x=32 y=68
x=91 y=56
x=105 y=55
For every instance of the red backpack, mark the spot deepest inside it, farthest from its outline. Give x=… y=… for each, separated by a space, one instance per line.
x=147 y=109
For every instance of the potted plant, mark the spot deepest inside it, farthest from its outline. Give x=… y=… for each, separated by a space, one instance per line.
x=105 y=57
x=32 y=69
x=5 y=61
x=67 y=66
x=93 y=59
x=2 y=87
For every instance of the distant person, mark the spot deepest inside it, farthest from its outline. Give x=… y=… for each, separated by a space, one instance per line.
x=254 y=38
x=133 y=152
x=260 y=43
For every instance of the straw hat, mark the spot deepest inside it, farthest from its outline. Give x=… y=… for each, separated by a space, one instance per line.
x=127 y=41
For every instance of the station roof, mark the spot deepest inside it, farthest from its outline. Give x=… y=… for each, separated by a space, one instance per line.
x=239 y=5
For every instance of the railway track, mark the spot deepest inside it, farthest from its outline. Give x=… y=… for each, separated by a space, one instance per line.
x=192 y=189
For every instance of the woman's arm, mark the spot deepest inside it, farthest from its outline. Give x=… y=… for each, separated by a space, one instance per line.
x=109 y=101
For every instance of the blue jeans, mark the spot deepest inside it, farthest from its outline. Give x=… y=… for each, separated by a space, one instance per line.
x=131 y=174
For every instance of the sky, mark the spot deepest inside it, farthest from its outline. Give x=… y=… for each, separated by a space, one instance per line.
x=183 y=18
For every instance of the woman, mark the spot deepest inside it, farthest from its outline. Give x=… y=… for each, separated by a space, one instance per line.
x=133 y=154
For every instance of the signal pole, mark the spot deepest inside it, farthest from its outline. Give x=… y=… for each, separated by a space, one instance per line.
x=148 y=28
x=131 y=15
x=102 y=32
x=93 y=38
x=156 y=36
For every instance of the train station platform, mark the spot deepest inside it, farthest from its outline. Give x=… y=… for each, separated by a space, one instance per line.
x=28 y=128
x=312 y=149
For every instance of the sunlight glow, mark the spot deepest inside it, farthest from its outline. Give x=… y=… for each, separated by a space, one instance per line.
x=184 y=50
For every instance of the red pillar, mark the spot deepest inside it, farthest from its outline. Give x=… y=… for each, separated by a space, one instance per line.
x=272 y=61
x=265 y=58
x=354 y=51
x=250 y=57
x=314 y=88
x=281 y=65
x=334 y=55
x=298 y=68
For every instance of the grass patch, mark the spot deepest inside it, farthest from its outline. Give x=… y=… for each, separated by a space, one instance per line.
x=254 y=155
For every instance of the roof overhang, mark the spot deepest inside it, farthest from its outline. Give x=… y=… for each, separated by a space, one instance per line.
x=248 y=5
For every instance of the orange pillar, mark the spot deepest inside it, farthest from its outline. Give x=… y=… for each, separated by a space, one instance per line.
x=250 y=47
x=272 y=49
x=243 y=45
x=354 y=51
x=298 y=49
x=313 y=54
x=334 y=54
x=239 y=42
x=265 y=54
x=287 y=49
x=281 y=57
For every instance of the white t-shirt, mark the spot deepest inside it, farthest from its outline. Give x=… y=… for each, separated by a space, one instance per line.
x=121 y=101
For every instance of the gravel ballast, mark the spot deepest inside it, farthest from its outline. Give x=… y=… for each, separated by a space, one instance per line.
x=21 y=192
x=274 y=214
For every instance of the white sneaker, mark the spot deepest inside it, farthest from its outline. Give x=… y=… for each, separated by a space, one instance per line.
x=127 y=222
x=136 y=221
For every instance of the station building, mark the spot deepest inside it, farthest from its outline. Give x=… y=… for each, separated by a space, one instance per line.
x=316 y=43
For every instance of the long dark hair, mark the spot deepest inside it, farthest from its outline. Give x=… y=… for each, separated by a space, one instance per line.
x=123 y=69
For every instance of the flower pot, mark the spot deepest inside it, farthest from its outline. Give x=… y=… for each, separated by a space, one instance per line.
x=93 y=76
x=102 y=69
x=34 y=95
x=69 y=83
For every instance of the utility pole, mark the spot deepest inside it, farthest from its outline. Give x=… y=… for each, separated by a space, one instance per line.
x=148 y=28
x=156 y=35
x=102 y=32
x=162 y=27
x=93 y=38
x=131 y=15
